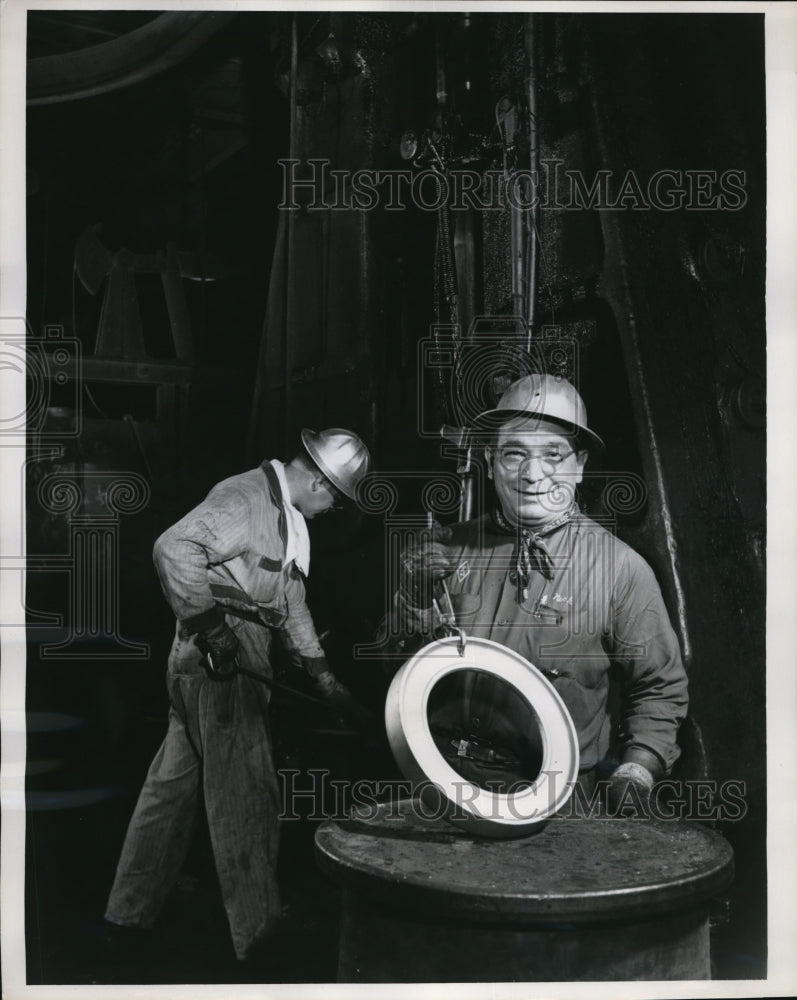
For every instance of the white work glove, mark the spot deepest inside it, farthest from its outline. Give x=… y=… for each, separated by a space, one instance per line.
x=629 y=787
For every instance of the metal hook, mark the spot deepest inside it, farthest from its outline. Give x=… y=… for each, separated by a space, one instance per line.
x=224 y=671
x=461 y=641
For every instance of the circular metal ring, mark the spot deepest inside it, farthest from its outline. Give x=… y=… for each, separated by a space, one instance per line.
x=488 y=813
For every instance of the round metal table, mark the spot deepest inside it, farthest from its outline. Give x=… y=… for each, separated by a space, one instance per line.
x=582 y=899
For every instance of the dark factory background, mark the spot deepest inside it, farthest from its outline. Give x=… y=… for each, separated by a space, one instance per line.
x=184 y=327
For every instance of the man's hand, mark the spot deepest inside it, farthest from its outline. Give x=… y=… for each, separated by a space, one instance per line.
x=220 y=645
x=342 y=701
x=424 y=562
x=629 y=790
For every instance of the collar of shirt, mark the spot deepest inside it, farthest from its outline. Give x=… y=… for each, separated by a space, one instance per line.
x=531 y=552
x=298 y=543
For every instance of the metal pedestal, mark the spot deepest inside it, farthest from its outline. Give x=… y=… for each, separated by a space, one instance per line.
x=583 y=899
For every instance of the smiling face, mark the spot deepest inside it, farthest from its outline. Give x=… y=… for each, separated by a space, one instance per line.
x=535 y=471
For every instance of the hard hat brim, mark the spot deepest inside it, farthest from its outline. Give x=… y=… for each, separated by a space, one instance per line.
x=491 y=421
x=309 y=439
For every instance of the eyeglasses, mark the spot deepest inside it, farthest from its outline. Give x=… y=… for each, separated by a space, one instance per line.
x=512 y=457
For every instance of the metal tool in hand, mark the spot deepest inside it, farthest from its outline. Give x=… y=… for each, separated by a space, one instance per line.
x=226 y=670
x=448 y=619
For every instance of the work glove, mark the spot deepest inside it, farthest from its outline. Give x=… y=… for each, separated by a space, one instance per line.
x=424 y=563
x=628 y=790
x=220 y=646
x=342 y=701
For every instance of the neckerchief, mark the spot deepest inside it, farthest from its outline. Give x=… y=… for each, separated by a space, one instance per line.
x=298 y=542
x=531 y=552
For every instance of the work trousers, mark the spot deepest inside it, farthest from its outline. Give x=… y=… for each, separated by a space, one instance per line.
x=217 y=737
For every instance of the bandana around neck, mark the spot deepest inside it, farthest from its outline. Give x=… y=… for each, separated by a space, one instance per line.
x=530 y=550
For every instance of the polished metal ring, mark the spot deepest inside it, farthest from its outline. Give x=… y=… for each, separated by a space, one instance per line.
x=492 y=814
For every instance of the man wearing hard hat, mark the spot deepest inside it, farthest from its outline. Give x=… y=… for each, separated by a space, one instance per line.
x=535 y=574
x=233 y=572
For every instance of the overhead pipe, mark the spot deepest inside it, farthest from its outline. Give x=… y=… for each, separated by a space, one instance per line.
x=131 y=58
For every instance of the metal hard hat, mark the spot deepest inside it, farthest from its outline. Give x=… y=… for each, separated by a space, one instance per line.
x=340 y=455
x=548 y=397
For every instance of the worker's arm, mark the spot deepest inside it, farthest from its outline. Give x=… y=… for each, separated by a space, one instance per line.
x=299 y=635
x=645 y=647
x=298 y=630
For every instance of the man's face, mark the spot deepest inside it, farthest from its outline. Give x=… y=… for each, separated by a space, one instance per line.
x=535 y=472
x=321 y=497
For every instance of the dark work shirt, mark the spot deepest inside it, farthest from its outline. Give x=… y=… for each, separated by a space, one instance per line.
x=602 y=609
